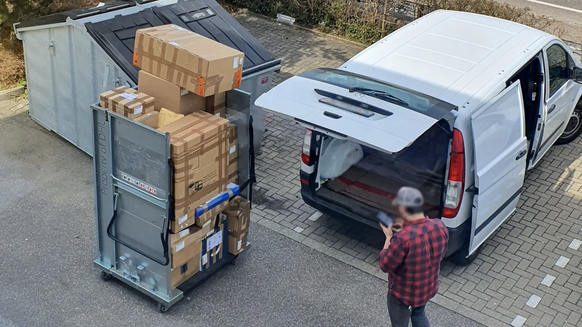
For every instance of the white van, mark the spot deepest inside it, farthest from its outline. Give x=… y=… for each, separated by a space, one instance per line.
x=458 y=105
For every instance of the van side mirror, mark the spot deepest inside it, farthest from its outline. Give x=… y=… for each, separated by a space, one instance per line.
x=578 y=74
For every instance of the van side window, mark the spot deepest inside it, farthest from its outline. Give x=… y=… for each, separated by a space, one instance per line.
x=558 y=66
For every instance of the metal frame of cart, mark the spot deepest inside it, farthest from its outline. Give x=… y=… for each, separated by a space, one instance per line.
x=133 y=174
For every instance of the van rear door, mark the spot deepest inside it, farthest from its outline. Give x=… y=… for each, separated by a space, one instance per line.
x=500 y=150
x=389 y=121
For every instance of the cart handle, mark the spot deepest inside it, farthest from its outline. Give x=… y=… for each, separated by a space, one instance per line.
x=164 y=239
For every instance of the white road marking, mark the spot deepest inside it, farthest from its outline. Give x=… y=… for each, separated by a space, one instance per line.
x=298 y=229
x=548 y=280
x=315 y=216
x=562 y=262
x=555 y=6
x=533 y=301
x=518 y=321
x=575 y=245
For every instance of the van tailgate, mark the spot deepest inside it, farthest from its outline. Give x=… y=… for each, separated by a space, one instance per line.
x=391 y=130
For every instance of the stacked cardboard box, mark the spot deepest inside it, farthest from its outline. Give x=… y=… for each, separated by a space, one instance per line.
x=199 y=153
x=214 y=245
x=187 y=59
x=238 y=215
x=127 y=102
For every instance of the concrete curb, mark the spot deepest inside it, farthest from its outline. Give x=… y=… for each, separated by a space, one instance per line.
x=371 y=270
x=11 y=93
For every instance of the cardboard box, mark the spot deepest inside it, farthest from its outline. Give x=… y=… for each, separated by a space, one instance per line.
x=199 y=153
x=185 y=271
x=187 y=59
x=232 y=171
x=237 y=244
x=170 y=96
x=186 y=248
x=127 y=102
x=149 y=119
x=216 y=104
x=238 y=215
x=214 y=247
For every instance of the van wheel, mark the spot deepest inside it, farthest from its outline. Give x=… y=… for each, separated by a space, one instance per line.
x=462 y=257
x=573 y=127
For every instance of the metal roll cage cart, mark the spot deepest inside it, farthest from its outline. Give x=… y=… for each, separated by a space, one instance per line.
x=134 y=204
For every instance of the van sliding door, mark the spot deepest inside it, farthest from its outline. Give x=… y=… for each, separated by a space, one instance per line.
x=500 y=162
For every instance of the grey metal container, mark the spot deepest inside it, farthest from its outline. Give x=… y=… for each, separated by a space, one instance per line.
x=132 y=222
x=73 y=57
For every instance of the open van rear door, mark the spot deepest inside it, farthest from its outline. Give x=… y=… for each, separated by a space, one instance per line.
x=335 y=111
x=500 y=151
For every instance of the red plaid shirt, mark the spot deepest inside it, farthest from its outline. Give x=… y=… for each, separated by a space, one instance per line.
x=413 y=259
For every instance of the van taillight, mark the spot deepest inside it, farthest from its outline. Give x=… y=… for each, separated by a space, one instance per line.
x=456 y=180
x=306 y=152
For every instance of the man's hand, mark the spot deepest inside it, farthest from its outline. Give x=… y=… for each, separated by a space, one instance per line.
x=388 y=233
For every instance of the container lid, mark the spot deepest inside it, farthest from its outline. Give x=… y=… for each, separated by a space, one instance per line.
x=205 y=17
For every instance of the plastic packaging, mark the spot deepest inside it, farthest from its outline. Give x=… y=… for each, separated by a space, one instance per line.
x=338 y=157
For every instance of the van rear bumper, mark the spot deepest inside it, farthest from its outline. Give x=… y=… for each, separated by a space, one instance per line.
x=457 y=236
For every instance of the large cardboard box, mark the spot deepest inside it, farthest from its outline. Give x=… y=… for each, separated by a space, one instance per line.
x=186 y=248
x=170 y=96
x=187 y=59
x=232 y=171
x=185 y=271
x=127 y=102
x=199 y=153
x=216 y=104
x=237 y=244
x=214 y=247
x=238 y=215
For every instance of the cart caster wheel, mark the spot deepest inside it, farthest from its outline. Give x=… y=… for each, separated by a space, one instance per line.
x=106 y=276
x=162 y=308
x=233 y=262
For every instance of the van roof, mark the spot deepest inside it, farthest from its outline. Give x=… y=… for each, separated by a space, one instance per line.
x=450 y=55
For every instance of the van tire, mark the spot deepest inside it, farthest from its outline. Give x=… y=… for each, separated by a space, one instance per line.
x=573 y=126
x=462 y=257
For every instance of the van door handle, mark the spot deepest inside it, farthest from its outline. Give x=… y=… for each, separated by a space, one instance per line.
x=552 y=108
x=521 y=154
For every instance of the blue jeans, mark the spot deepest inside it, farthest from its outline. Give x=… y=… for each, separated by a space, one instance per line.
x=401 y=314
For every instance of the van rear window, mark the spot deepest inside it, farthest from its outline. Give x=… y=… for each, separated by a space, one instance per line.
x=391 y=93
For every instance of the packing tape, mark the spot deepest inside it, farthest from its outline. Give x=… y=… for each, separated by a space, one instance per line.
x=217 y=186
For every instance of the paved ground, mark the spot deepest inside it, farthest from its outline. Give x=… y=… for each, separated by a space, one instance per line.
x=48 y=243
x=496 y=288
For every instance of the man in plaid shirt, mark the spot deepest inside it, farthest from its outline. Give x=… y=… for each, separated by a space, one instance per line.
x=412 y=258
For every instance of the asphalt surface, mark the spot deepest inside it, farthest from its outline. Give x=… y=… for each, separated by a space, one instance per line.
x=566 y=11
x=47 y=245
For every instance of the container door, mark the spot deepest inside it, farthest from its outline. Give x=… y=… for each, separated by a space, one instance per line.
x=500 y=156
x=238 y=111
x=133 y=187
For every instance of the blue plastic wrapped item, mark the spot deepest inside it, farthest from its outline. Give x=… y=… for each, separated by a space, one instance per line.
x=232 y=189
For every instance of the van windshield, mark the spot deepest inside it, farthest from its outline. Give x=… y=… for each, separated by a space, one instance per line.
x=391 y=93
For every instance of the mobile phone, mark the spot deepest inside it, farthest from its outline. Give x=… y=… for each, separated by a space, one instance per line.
x=384 y=218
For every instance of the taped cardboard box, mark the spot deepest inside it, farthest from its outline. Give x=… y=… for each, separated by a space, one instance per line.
x=184 y=272
x=127 y=102
x=199 y=153
x=216 y=104
x=238 y=215
x=237 y=244
x=232 y=174
x=214 y=247
x=149 y=119
x=170 y=96
x=186 y=248
x=187 y=59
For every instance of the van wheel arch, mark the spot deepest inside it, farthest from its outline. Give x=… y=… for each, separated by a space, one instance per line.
x=573 y=125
